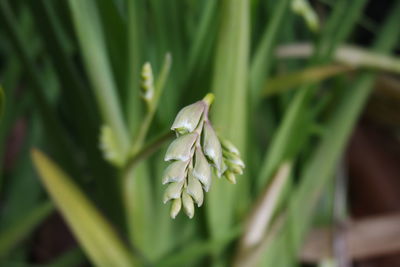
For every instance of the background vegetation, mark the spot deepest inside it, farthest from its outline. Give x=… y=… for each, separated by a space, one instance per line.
x=288 y=92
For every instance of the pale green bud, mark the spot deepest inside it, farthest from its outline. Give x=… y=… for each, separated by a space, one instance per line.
x=175 y=207
x=173 y=191
x=181 y=147
x=202 y=170
x=188 y=205
x=147 y=82
x=188 y=118
x=236 y=169
x=212 y=146
x=228 y=146
x=234 y=159
x=230 y=177
x=175 y=172
x=195 y=190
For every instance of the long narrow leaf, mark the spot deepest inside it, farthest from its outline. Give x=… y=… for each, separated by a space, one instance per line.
x=92 y=230
x=90 y=36
x=230 y=108
x=327 y=153
x=262 y=62
x=305 y=76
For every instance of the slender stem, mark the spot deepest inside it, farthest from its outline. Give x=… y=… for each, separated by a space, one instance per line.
x=147 y=150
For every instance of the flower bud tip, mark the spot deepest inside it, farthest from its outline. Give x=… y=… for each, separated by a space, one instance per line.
x=209 y=99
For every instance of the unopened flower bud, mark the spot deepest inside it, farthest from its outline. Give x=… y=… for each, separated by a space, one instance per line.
x=202 y=169
x=234 y=159
x=228 y=146
x=212 y=146
x=173 y=191
x=188 y=118
x=175 y=172
x=188 y=205
x=180 y=148
x=195 y=190
x=230 y=177
x=236 y=169
x=175 y=207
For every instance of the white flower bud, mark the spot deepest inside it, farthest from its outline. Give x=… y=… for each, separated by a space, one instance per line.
x=181 y=147
x=188 y=118
x=202 y=170
x=195 y=190
x=175 y=172
x=175 y=207
x=212 y=146
x=188 y=205
x=173 y=191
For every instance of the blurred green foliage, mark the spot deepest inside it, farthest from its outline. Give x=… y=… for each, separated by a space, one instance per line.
x=69 y=68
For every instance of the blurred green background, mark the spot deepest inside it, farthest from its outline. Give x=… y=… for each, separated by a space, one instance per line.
x=291 y=79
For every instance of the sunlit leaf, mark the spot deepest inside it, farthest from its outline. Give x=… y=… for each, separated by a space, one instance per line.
x=92 y=230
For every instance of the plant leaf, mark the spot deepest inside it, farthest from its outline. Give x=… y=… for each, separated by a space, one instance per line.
x=306 y=76
x=92 y=230
x=230 y=107
x=91 y=38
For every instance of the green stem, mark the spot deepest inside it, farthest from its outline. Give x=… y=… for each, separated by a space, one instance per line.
x=147 y=150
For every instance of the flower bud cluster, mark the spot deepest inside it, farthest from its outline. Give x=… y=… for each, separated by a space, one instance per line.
x=193 y=155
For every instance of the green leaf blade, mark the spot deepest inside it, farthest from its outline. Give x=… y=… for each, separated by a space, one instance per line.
x=229 y=110
x=91 y=229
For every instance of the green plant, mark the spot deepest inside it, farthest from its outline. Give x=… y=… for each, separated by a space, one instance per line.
x=106 y=78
